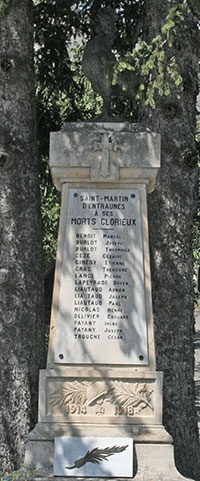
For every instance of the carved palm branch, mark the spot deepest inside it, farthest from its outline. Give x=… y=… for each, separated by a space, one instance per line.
x=97 y=455
x=78 y=392
x=75 y=393
x=137 y=395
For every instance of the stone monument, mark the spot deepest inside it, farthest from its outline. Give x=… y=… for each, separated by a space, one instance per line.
x=100 y=398
x=100 y=382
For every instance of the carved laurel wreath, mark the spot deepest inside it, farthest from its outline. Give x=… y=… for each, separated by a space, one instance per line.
x=87 y=393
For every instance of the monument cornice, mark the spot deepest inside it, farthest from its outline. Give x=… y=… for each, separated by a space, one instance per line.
x=104 y=152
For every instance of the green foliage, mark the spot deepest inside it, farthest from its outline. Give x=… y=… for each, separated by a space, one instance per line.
x=50 y=209
x=61 y=84
x=24 y=474
x=194 y=5
x=64 y=94
x=4 y=5
x=173 y=20
x=156 y=70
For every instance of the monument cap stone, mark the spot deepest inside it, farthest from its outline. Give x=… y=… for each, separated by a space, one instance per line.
x=104 y=152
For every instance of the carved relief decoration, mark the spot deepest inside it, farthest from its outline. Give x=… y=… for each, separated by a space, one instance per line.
x=129 y=398
x=136 y=395
x=72 y=392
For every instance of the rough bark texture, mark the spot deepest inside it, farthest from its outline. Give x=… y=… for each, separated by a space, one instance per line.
x=171 y=214
x=21 y=301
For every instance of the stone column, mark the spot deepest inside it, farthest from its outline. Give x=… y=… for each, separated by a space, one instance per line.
x=101 y=380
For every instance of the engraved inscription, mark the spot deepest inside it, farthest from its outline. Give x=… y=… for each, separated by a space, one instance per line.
x=102 y=300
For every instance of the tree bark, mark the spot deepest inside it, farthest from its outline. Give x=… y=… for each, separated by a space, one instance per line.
x=172 y=208
x=21 y=276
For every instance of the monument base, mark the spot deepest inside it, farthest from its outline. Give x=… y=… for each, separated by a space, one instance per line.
x=153 y=456
x=113 y=403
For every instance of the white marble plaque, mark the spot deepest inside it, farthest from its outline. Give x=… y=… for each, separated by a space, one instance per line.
x=104 y=457
x=102 y=312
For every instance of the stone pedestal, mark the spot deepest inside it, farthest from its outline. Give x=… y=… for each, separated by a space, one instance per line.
x=101 y=380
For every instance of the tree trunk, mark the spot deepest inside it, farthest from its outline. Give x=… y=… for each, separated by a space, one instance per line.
x=21 y=276
x=172 y=208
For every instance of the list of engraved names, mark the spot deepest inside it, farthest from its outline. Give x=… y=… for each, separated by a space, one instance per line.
x=105 y=318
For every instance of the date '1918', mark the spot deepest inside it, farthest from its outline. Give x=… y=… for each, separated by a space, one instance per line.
x=74 y=409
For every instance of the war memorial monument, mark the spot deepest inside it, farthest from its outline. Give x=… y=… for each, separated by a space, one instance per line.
x=100 y=398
